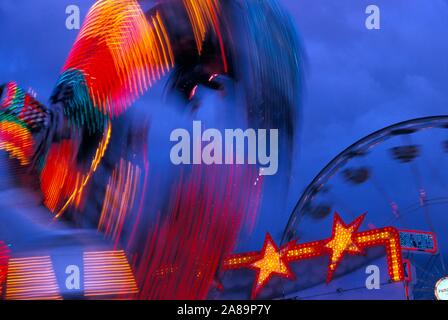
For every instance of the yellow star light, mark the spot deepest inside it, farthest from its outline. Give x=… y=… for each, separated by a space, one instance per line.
x=271 y=263
x=341 y=242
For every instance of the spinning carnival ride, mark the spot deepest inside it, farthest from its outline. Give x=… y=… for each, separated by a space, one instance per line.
x=389 y=189
x=85 y=191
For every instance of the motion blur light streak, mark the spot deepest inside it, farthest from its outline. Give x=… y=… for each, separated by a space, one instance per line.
x=32 y=279
x=99 y=154
x=89 y=151
x=184 y=250
x=119 y=199
x=21 y=106
x=4 y=259
x=57 y=176
x=59 y=180
x=203 y=16
x=108 y=274
x=20 y=114
x=14 y=96
x=17 y=141
x=120 y=54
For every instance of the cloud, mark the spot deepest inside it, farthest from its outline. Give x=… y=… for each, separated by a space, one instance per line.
x=361 y=80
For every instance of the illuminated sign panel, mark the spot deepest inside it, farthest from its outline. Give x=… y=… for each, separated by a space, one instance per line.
x=411 y=240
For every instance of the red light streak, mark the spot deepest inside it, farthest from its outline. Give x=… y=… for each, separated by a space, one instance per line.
x=4 y=259
x=120 y=53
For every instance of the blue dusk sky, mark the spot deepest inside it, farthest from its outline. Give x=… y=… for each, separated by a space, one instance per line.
x=356 y=80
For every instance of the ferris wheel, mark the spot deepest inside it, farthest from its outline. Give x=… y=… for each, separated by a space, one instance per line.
x=397 y=176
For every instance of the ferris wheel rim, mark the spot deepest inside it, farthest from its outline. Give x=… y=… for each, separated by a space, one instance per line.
x=365 y=143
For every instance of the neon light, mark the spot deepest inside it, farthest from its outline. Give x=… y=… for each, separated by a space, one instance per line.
x=99 y=154
x=19 y=114
x=345 y=238
x=16 y=139
x=120 y=53
x=119 y=199
x=342 y=240
x=61 y=183
x=22 y=107
x=14 y=97
x=108 y=273
x=270 y=262
x=4 y=259
x=32 y=279
x=203 y=15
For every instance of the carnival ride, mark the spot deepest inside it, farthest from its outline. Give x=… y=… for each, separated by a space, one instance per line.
x=380 y=203
x=396 y=177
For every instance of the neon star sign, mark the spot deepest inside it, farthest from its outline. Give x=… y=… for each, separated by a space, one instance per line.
x=345 y=239
x=342 y=241
x=270 y=263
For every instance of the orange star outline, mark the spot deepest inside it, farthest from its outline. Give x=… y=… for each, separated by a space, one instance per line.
x=341 y=241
